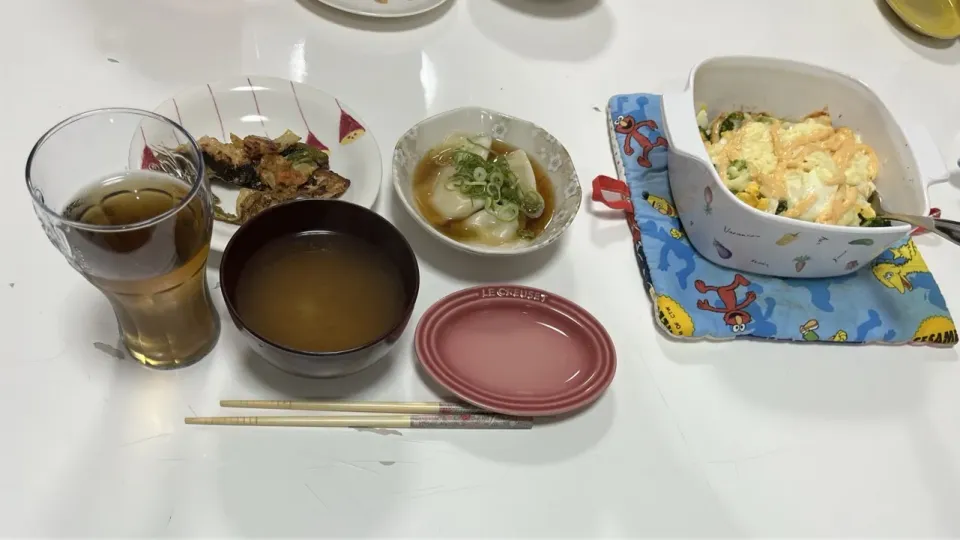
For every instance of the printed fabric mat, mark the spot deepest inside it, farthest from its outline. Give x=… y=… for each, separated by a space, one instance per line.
x=893 y=300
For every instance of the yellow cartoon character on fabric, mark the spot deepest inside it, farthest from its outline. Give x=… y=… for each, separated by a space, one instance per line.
x=895 y=274
x=673 y=317
x=936 y=329
x=676 y=233
x=808 y=331
x=660 y=204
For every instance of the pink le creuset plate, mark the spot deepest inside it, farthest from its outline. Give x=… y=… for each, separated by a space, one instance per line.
x=516 y=350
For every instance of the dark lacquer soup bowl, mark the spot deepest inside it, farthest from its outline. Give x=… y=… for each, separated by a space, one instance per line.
x=308 y=217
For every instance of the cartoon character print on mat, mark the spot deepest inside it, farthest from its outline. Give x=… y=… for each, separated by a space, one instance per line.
x=671 y=244
x=763 y=325
x=673 y=318
x=808 y=331
x=734 y=314
x=872 y=323
x=865 y=306
x=638 y=250
x=630 y=127
x=903 y=269
x=660 y=204
x=819 y=290
x=936 y=329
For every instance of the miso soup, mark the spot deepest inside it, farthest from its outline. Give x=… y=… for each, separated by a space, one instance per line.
x=320 y=292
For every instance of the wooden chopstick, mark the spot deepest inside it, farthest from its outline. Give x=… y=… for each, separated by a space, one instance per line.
x=382 y=407
x=427 y=421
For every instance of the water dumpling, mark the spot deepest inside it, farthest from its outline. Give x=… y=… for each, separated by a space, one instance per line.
x=475 y=144
x=479 y=190
x=520 y=166
x=491 y=230
x=452 y=203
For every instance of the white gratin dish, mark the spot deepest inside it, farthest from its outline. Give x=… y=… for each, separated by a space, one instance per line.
x=729 y=232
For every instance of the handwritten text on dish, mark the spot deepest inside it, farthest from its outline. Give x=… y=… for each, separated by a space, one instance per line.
x=728 y=230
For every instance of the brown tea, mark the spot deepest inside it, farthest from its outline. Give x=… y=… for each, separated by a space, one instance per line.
x=320 y=292
x=154 y=276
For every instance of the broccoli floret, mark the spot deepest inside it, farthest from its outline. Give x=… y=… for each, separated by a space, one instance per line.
x=874 y=222
x=737 y=175
x=731 y=122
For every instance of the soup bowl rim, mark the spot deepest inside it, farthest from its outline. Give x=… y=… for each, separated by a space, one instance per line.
x=410 y=303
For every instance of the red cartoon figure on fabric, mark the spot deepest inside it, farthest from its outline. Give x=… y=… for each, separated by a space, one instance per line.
x=631 y=128
x=733 y=313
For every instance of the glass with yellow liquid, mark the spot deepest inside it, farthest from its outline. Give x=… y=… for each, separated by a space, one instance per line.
x=121 y=193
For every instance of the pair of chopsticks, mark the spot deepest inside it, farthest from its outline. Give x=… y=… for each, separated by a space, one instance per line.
x=385 y=414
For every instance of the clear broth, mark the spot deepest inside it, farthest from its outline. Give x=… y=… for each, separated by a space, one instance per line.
x=320 y=292
x=424 y=179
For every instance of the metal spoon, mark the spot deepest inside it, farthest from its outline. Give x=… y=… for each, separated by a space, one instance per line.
x=944 y=227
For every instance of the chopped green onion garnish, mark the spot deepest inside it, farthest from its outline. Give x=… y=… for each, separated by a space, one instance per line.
x=493 y=182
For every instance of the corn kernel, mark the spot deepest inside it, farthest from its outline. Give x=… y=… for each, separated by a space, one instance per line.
x=752 y=188
x=748 y=198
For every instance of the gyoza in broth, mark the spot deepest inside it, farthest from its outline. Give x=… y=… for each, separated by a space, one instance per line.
x=480 y=190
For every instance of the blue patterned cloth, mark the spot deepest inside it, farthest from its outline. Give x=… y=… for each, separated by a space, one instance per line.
x=895 y=299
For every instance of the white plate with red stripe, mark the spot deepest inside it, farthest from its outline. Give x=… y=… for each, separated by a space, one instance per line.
x=268 y=106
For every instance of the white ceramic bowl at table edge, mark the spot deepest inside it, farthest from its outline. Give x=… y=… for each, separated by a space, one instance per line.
x=539 y=145
x=729 y=232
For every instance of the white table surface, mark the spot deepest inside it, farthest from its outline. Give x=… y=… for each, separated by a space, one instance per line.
x=691 y=439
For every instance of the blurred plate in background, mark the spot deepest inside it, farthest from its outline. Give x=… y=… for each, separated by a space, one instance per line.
x=384 y=8
x=935 y=18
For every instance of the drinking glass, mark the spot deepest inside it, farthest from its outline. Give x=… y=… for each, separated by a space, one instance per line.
x=121 y=193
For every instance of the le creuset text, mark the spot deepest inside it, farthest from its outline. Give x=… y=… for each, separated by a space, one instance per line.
x=504 y=292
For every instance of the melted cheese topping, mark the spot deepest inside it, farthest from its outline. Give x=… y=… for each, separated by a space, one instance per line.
x=809 y=169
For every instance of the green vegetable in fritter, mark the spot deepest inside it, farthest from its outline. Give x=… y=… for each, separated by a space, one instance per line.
x=731 y=122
